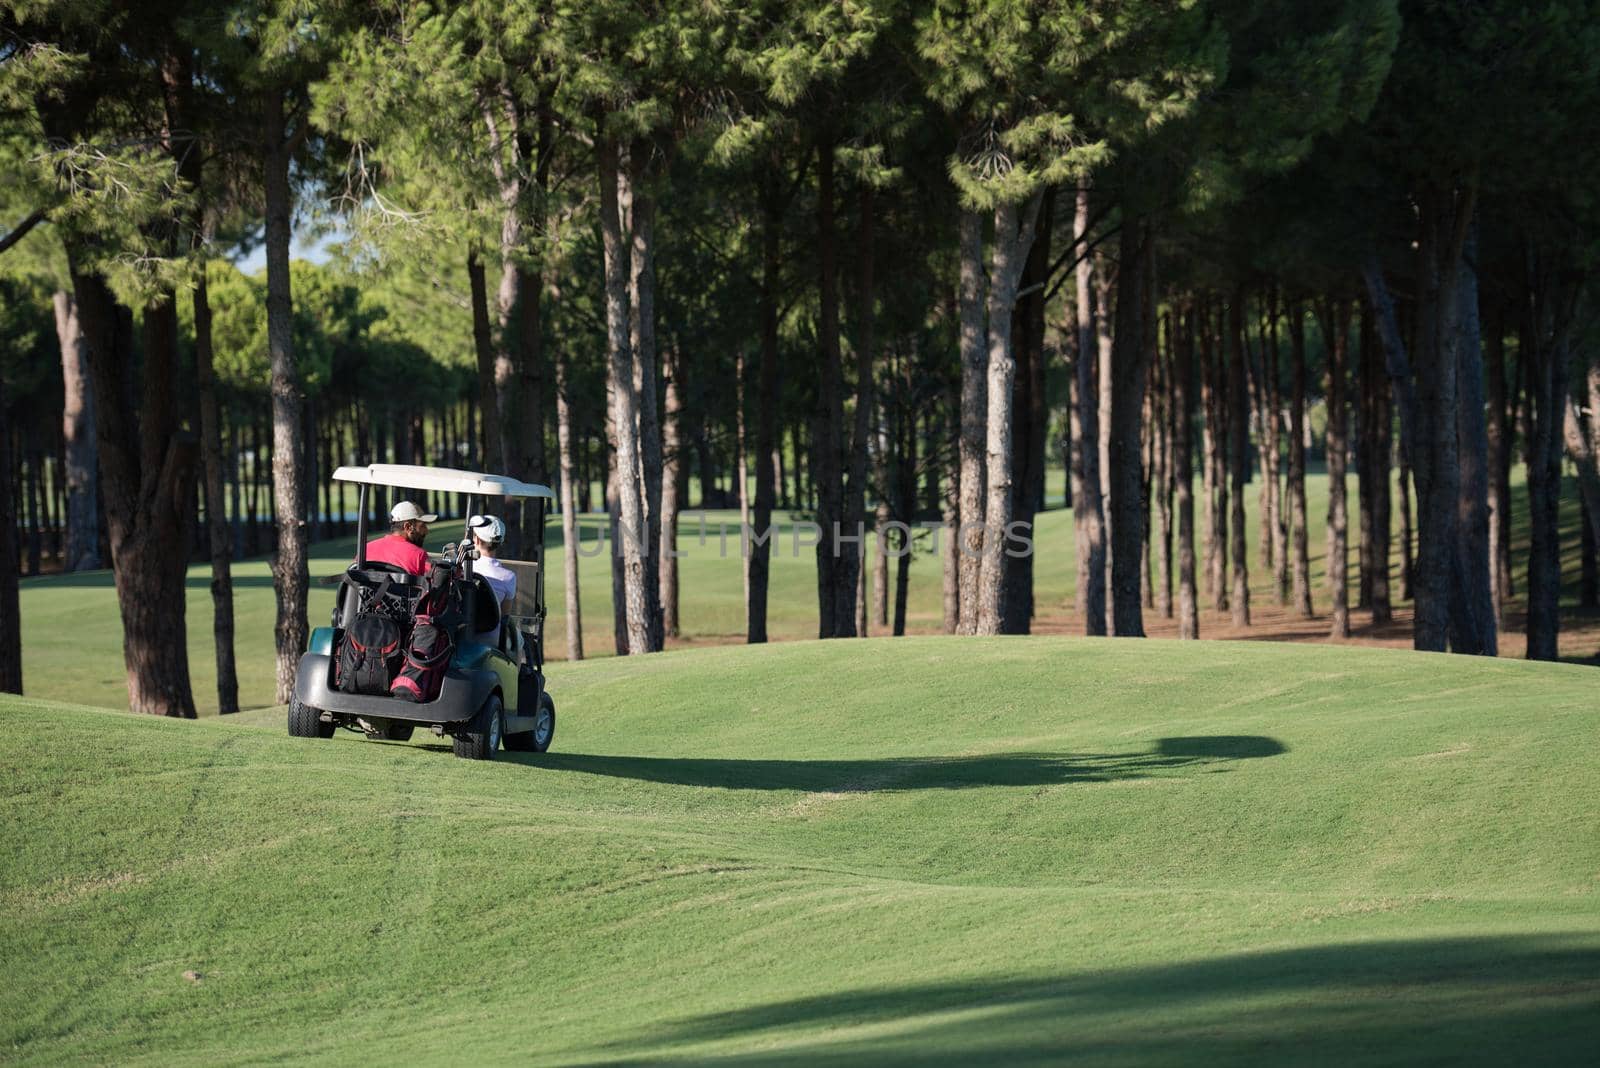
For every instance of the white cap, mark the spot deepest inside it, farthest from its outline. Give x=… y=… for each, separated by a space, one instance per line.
x=487 y=528
x=405 y=510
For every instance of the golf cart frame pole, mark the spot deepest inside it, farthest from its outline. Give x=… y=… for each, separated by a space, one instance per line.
x=537 y=544
x=361 y=525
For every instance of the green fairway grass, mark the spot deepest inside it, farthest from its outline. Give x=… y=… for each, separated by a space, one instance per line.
x=917 y=851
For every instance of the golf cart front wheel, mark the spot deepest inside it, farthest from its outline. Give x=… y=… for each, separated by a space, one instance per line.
x=544 y=729
x=306 y=722
x=482 y=737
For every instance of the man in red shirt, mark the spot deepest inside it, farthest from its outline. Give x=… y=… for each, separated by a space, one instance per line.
x=402 y=546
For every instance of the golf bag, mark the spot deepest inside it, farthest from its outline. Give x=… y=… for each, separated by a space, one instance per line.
x=427 y=656
x=370 y=652
x=428 y=650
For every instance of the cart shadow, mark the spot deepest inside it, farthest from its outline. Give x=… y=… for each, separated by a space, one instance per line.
x=1210 y=753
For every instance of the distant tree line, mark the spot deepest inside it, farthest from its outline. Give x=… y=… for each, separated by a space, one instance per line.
x=880 y=262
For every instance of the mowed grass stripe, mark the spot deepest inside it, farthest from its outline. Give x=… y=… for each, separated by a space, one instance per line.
x=867 y=852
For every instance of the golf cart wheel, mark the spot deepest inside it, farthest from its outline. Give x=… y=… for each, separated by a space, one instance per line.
x=482 y=736
x=544 y=729
x=306 y=722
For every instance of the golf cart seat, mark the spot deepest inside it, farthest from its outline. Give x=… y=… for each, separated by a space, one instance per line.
x=485 y=610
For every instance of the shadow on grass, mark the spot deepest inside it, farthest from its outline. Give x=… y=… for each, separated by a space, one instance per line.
x=1448 y=1001
x=910 y=773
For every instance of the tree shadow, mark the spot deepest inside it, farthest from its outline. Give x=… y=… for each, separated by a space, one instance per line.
x=1521 y=999
x=894 y=774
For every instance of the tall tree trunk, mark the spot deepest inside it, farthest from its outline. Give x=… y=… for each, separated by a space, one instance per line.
x=1472 y=615
x=289 y=571
x=253 y=498
x=974 y=410
x=1403 y=397
x=1214 y=449
x=147 y=485
x=236 y=489
x=1088 y=501
x=1407 y=560
x=340 y=451
x=1361 y=402
x=951 y=514
x=1239 y=460
x=1498 y=455
x=905 y=491
x=1031 y=416
x=1545 y=337
x=642 y=334
x=1300 y=550
x=1103 y=313
x=1183 y=452
x=765 y=410
x=1582 y=431
x=77 y=430
x=883 y=440
x=483 y=345
x=619 y=582
x=1161 y=429
x=1589 y=576
x=1377 y=435
x=503 y=119
x=216 y=517
x=1147 y=463
x=623 y=402
x=1013 y=238
x=880 y=562
x=1544 y=497
x=531 y=374
x=1445 y=216
x=310 y=474
x=672 y=471
x=35 y=485
x=1128 y=372
x=1256 y=405
x=1336 y=321
x=10 y=605
x=741 y=467
x=802 y=492
x=835 y=595
x=1273 y=458
x=1072 y=461
x=570 y=531
x=855 y=510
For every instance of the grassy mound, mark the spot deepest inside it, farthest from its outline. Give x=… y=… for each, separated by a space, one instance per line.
x=871 y=852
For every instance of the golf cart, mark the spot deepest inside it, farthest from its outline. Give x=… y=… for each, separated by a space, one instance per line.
x=486 y=681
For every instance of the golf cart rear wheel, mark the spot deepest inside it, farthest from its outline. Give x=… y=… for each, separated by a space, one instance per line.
x=482 y=736
x=544 y=729
x=306 y=722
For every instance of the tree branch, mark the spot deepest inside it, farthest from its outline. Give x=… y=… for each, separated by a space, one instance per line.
x=20 y=231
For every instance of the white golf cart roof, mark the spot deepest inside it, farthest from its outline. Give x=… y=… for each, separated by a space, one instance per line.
x=442 y=479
